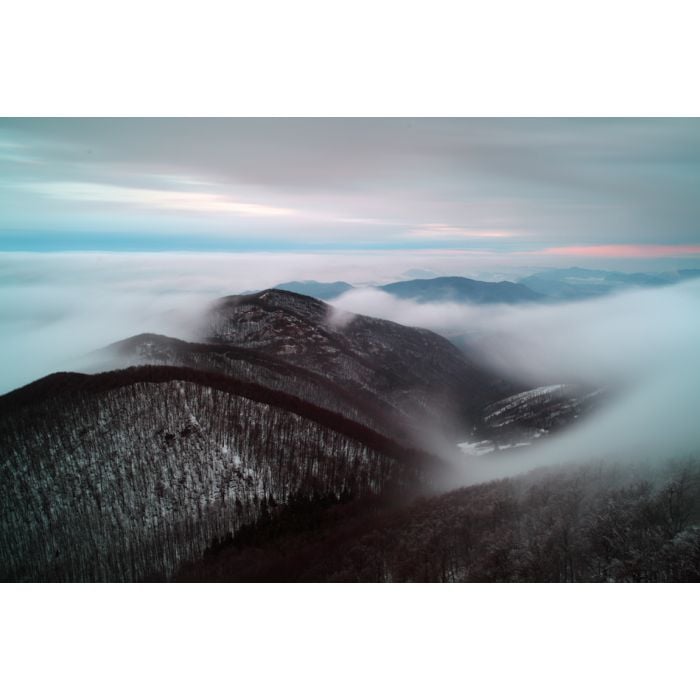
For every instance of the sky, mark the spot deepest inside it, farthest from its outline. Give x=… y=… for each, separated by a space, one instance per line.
x=550 y=192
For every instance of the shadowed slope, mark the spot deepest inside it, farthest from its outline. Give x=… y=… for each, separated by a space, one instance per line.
x=118 y=476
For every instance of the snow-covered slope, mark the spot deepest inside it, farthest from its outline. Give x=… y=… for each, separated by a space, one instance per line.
x=261 y=368
x=123 y=476
x=372 y=370
x=528 y=416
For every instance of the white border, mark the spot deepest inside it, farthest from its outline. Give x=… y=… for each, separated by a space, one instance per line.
x=341 y=58
x=349 y=641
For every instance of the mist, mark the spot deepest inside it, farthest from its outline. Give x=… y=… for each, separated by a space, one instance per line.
x=645 y=345
x=56 y=309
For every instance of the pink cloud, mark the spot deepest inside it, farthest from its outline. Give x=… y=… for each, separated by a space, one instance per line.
x=625 y=251
x=447 y=232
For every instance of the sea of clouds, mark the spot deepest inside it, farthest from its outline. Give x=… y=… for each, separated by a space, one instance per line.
x=56 y=309
x=644 y=344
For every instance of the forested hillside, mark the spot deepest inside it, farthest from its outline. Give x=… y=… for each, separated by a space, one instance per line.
x=264 y=369
x=288 y=445
x=399 y=380
x=418 y=373
x=122 y=476
x=592 y=523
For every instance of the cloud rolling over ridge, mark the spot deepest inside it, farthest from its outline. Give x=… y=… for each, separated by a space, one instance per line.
x=55 y=309
x=645 y=343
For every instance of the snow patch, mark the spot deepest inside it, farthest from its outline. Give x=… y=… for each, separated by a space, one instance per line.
x=476 y=449
x=522 y=398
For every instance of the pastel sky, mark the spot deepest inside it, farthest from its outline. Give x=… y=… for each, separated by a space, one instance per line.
x=555 y=189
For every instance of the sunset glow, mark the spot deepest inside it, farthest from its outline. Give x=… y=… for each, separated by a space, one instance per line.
x=626 y=251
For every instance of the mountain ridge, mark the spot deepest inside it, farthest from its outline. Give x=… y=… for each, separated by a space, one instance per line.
x=546 y=286
x=409 y=367
x=462 y=289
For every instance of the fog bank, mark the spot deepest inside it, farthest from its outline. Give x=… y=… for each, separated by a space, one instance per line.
x=54 y=309
x=645 y=344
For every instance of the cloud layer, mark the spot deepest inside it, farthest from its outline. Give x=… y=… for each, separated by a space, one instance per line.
x=54 y=309
x=587 y=187
x=645 y=344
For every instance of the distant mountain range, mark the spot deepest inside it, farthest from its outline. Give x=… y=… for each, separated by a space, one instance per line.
x=570 y=284
x=435 y=289
x=461 y=289
x=579 y=283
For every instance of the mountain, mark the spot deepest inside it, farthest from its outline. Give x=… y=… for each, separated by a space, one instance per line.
x=265 y=369
x=570 y=284
x=420 y=374
x=462 y=289
x=125 y=474
x=284 y=402
x=397 y=379
x=122 y=476
x=579 y=283
x=319 y=290
x=391 y=378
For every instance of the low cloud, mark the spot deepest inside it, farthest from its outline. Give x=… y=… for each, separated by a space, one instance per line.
x=643 y=343
x=55 y=309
